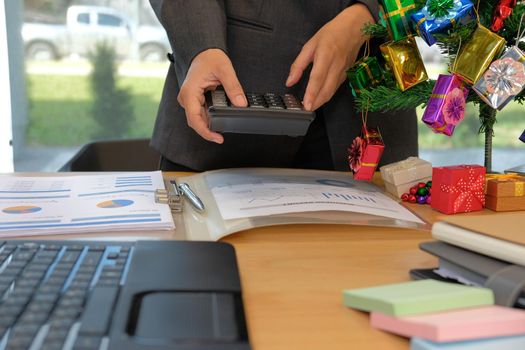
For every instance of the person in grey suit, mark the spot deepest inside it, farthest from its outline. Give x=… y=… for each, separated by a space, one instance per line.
x=299 y=46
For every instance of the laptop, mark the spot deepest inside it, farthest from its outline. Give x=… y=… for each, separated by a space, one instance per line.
x=120 y=295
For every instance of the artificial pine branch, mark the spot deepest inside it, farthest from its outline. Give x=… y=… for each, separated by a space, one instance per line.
x=383 y=98
x=375 y=31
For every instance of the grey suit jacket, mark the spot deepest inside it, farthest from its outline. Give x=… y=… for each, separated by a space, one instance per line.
x=262 y=38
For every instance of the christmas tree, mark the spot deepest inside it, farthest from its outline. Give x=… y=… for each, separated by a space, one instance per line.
x=459 y=28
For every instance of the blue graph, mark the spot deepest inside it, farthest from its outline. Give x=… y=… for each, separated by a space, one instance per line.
x=348 y=197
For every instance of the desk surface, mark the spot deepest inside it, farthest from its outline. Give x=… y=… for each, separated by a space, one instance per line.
x=293 y=277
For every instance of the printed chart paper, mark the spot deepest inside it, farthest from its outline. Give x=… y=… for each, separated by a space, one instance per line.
x=75 y=204
x=261 y=199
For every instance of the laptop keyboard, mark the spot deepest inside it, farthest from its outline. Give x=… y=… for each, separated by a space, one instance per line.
x=58 y=296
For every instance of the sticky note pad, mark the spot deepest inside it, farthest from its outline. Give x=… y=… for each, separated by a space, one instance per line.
x=501 y=343
x=456 y=325
x=417 y=297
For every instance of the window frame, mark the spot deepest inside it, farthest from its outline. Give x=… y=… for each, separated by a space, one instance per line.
x=6 y=129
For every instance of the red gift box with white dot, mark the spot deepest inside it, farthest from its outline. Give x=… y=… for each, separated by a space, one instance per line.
x=458 y=189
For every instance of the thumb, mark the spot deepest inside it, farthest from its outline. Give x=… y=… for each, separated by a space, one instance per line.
x=231 y=85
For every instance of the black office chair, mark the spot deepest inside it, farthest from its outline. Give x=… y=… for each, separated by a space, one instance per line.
x=118 y=155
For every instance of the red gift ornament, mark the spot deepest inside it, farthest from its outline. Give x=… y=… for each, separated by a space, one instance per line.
x=502 y=11
x=458 y=189
x=365 y=152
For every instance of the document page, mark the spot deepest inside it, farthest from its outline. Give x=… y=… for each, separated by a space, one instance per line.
x=88 y=203
x=254 y=196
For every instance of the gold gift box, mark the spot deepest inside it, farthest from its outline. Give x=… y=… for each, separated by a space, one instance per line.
x=505 y=192
x=405 y=61
x=475 y=56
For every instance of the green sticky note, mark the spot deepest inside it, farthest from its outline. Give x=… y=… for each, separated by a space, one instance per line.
x=417 y=297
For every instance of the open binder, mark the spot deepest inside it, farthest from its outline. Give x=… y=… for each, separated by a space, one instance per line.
x=210 y=224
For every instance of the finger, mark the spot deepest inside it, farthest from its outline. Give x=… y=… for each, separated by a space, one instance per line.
x=301 y=62
x=332 y=83
x=317 y=78
x=231 y=85
x=198 y=121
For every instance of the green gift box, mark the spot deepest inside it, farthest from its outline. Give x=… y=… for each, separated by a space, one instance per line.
x=364 y=74
x=396 y=13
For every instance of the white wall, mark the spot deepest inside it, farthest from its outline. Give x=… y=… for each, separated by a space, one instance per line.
x=6 y=151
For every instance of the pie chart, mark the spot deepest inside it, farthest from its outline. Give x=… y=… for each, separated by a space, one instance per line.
x=22 y=209
x=115 y=203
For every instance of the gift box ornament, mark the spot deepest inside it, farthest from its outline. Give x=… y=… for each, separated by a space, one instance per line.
x=439 y=15
x=476 y=55
x=399 y=177
x=446 y=107
x=365 y=153
x=458 y=189
x=404 y=59
x=505 y=192
x=503 y=80
x=396 y=13
x=365 y=74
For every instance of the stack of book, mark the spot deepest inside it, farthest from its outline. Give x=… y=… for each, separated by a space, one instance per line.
x=440 y=315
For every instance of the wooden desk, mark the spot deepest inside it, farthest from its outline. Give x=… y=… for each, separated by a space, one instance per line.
x=293 y=277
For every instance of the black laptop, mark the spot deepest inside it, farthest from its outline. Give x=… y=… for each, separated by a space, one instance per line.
x=120 y=295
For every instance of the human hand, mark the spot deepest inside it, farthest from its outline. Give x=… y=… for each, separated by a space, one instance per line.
x=208 y=70
x=332 y=50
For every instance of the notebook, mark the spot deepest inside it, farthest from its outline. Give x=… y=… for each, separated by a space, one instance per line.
x=499 y=236
x=416 y=297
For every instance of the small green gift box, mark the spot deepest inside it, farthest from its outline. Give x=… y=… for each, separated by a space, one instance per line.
x=364 y=74
x=396 y=13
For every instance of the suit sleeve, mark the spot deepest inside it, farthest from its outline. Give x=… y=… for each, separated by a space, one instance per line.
x=373 y=7
x=192 y=27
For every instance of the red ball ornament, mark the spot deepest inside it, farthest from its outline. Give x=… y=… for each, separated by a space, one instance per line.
x=412 y=198
x=430 y=190
x=413 y=191
x=421 y=184
x=404 y=197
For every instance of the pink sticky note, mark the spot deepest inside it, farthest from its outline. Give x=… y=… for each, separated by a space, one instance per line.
x=462 y=324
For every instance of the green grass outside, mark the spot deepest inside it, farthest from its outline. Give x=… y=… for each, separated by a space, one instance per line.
x=60 y=114
x=60 y=108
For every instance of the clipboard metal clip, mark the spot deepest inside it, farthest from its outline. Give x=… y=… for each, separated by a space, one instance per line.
x=174 y=194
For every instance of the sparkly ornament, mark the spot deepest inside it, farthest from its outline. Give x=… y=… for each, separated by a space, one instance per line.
x=502 y=11
x=454 y=107
x=422 y=191
x=505 y=77
x=421 y=199
x=404 y=197
x=413 y=190
x=412 y=198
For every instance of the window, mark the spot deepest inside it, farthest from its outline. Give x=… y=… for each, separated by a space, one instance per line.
x=62 y=105
x=109 y=20
x=83 y=18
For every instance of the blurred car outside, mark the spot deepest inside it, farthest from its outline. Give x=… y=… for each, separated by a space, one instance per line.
x=85 y=26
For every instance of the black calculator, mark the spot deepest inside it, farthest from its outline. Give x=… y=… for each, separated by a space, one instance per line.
x=266 y=114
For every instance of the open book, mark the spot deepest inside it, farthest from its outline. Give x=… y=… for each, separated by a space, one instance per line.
x=241 y=199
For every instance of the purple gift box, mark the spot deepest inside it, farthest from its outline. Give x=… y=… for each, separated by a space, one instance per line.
x=446 y=107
